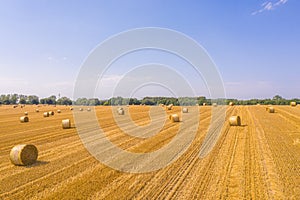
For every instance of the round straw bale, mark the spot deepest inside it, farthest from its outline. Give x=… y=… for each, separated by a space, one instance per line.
x=169 y=107
x=23 y=154
x=235 y=121
x=66 y=123
x=121 y=112
x=271 y=109
x=46 y=114
x=14 y=106
x=37 y=110
x=214 y=104
x=120 y=108
x=197 y=104
x=174 y=118
x=24 y=119
x=25 y=113
x=80 y=109
x=231 y=103
x=51 y=113
x=71 y=108
x=88 y=109
x=293 y=103
x=185 y=110
x=204 y=104
x=58 y=111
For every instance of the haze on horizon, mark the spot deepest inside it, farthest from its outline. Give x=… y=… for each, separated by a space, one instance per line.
x=254 y=44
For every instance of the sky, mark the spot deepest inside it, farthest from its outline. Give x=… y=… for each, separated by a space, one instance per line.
x=254 y=44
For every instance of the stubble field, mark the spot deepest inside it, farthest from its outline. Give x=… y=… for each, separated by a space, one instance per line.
x=258 y=160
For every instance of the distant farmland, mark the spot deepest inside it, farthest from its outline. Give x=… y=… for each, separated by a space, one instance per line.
x=258 y=160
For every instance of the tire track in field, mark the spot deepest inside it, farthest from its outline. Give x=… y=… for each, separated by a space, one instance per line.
x=268 y=164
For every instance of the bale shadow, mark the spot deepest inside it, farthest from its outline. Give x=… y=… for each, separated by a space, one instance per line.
x=243 y=125
x=37 y=164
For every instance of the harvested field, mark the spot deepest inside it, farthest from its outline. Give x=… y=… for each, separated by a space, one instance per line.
x=258 y=160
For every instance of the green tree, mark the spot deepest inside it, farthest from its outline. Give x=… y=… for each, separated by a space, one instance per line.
x=64 y=101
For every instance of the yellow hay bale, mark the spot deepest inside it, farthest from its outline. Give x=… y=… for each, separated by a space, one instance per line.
x=14 y=106
x=293 y=103
x=271 y=109
x=174 y=118
x=37 y=110
x=214 y=104
x=66 y=123
x=120 y=111
x=80 y=109
x=231 y=103
x=169 y=107
x=58 y=111
x=185 y=110
x=71 y=108
x=51 y=113
x=23 y=154
x=235 y=121
x=46 y=114
x=25 y=113
x=24 y=119
x=88 y=109
x=204 y=104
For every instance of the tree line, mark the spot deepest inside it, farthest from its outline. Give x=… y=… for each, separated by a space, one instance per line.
x=186 y=101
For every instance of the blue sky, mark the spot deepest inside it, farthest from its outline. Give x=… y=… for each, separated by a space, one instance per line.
x=254 y=43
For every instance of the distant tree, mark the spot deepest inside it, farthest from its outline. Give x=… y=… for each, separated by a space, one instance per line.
x=82 y=101
x=93 y=102
x=22 y=101
x=32 y=99
x=64 y=101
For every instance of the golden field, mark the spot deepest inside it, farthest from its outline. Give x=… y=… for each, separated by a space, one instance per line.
x=258 y=160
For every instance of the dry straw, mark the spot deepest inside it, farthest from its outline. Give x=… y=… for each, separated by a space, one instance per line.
x=293 y=103
x=71 y=108
x=46 y=114
x=37 y=110
x=58 y=111
x=66 y=123
x=24 y=119
x=185 y=110
x=88 y=109
x=23 y=154
x=235 y=121
x=214 y=104
x=270 y=109
x=231 y=103
x=169 y=107
x=25 y=113
x=120 y=111
x=174 y=118
x=80 y=109
x=51 y=113
x=204 y=104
